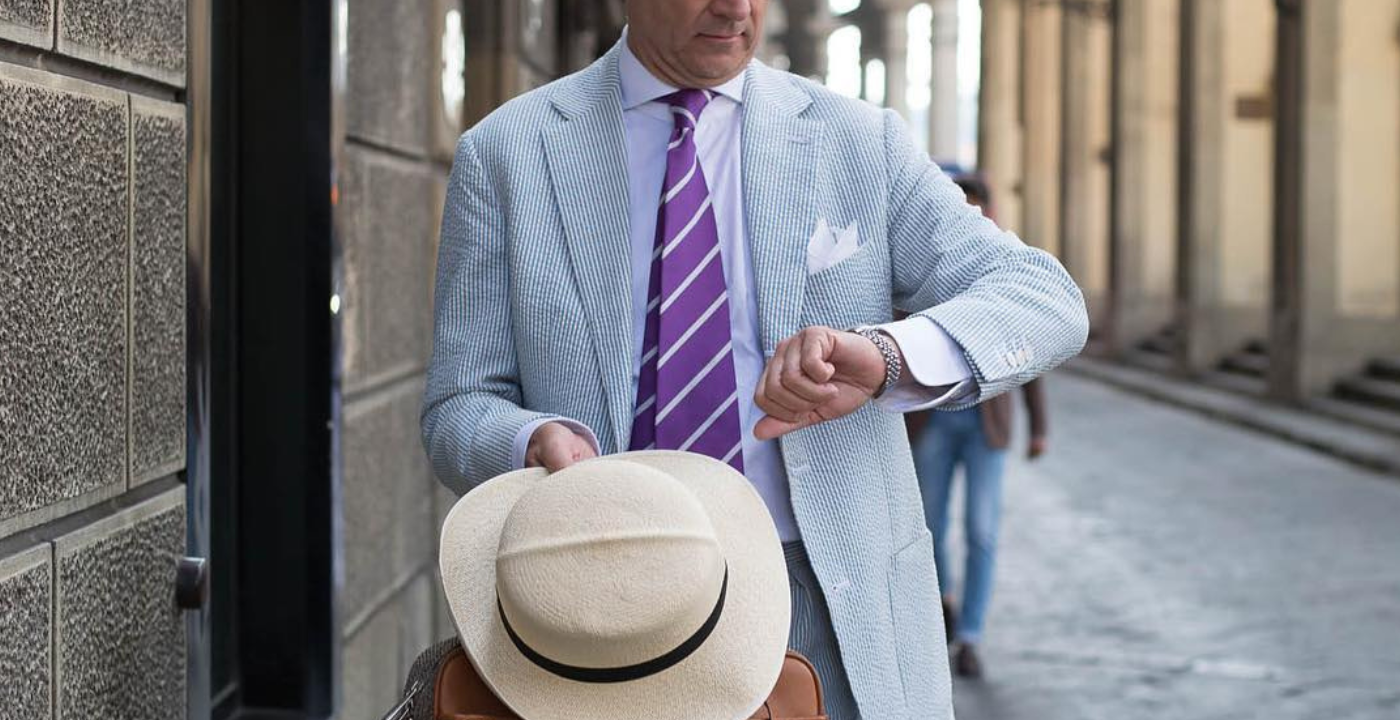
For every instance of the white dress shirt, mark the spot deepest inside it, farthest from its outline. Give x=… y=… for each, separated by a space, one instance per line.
x=937 y=370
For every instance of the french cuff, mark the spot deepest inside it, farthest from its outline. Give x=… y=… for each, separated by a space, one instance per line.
x=522 y=438
x=937 y=369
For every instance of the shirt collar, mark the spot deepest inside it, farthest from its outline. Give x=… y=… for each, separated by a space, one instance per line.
x=640 y=87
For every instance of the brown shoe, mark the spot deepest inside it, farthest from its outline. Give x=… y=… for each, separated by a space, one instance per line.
x=966 y=664
x=950 y=620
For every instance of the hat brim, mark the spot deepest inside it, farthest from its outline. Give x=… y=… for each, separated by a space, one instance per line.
x=727 y=678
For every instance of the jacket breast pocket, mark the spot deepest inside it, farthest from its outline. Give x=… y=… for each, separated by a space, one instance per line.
x=852 y=292
x=919 y=637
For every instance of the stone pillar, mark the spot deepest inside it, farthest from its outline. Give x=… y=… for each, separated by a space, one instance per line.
x=943 y=105
x=1084 y=154
x=804 y=37
x=999 y=116
x=1337 y=227
x=1225 y=260
x=896 y=55
x=1040 y=83
x=1143 y=236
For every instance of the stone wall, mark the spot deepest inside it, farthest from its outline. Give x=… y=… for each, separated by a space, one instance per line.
x=393 y=179
x=92 y=357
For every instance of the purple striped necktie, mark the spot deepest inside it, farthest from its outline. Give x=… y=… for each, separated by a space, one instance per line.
x=686 y=394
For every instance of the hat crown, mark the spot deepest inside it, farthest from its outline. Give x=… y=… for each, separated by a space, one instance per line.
x=608 y=564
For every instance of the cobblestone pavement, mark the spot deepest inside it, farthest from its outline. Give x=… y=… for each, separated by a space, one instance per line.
x=1158 y=564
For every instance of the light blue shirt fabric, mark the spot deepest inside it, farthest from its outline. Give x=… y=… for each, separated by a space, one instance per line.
x=938 y=372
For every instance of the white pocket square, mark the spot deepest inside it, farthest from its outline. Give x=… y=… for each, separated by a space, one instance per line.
x=829 y=247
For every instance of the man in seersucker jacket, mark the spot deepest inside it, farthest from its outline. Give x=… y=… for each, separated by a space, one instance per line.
x=679 y=247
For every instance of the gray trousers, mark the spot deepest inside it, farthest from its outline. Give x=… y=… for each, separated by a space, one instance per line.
x=811 y=634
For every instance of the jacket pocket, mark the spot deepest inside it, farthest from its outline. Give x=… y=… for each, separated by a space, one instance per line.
x=919 y=637
x=852 y=292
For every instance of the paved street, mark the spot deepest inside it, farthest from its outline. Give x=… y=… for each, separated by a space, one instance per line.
x=1158 y=564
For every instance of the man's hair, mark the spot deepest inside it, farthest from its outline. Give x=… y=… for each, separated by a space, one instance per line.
x=974 y=187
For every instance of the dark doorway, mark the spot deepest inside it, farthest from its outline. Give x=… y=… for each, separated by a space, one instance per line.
x=267 y=363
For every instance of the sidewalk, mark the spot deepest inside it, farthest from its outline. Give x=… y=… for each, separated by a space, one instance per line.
x=1160 y=565
x=1367 y=448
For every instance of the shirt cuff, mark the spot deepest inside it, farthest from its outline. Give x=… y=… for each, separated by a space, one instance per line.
x=522 y=438
x=936 y=367
x=912 y=397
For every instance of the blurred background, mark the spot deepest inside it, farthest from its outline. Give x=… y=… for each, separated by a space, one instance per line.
x=218 y=226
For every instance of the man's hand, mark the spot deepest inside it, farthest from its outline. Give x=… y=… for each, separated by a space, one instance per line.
x=554 y=447
x=1037 y=448
x=819 y=374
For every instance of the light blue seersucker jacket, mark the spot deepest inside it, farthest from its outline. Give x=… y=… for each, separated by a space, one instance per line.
x=533 y=316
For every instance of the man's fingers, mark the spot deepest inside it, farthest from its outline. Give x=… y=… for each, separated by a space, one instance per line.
x=555 y=447
x=813 y=354
x=772 y=398
x=811 y=389
x=583 y=450
x=557 y=455
x=769 y=427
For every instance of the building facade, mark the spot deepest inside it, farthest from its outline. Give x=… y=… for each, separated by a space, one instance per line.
x=1220 y=177
x=218 y=229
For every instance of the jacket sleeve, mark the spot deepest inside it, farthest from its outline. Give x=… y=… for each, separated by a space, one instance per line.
x=472 y=410
x=1014 y=309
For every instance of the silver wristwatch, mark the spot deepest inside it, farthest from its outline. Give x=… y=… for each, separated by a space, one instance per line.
x=894 y=367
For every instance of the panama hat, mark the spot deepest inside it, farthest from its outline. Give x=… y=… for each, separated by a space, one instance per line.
x=640 y=586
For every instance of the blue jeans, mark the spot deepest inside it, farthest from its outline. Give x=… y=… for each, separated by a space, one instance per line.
x=950 y=439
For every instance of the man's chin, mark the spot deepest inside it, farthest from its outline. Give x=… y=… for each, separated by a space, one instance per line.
x=715 y=71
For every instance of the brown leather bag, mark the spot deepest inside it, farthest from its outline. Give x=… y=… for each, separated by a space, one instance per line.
x=443 y=685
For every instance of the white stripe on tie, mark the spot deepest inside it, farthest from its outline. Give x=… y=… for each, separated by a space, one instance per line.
x=686 y=113
x=690 y=278
x=680 y=185
x=671 y=351
x=643 y=407
x=723 y=352
x=671 y=246
x=730 y=455
x=709 y=421
x=650 y=354
x=652 y=305
x=677 y=142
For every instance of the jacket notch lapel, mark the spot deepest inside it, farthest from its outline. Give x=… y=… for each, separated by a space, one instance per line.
x=781 y=162
x=587 y=156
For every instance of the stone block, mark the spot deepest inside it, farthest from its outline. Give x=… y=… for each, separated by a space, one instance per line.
x=29 y=22
x=439 y=193
x=121 y=639
x=388 y=498
x=370 y=668
x=416 y=621
x=144 y=37
x=389 y=229
x=391 y=69
x=26 y=633
x=158 y=290
x=378 y=655
x=443 y=625
x=63 y=287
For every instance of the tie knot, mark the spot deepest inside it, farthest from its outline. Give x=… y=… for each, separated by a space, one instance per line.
x=686 y=105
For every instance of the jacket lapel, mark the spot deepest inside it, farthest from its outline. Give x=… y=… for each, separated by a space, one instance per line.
x=587 y=159
x=780 y=166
